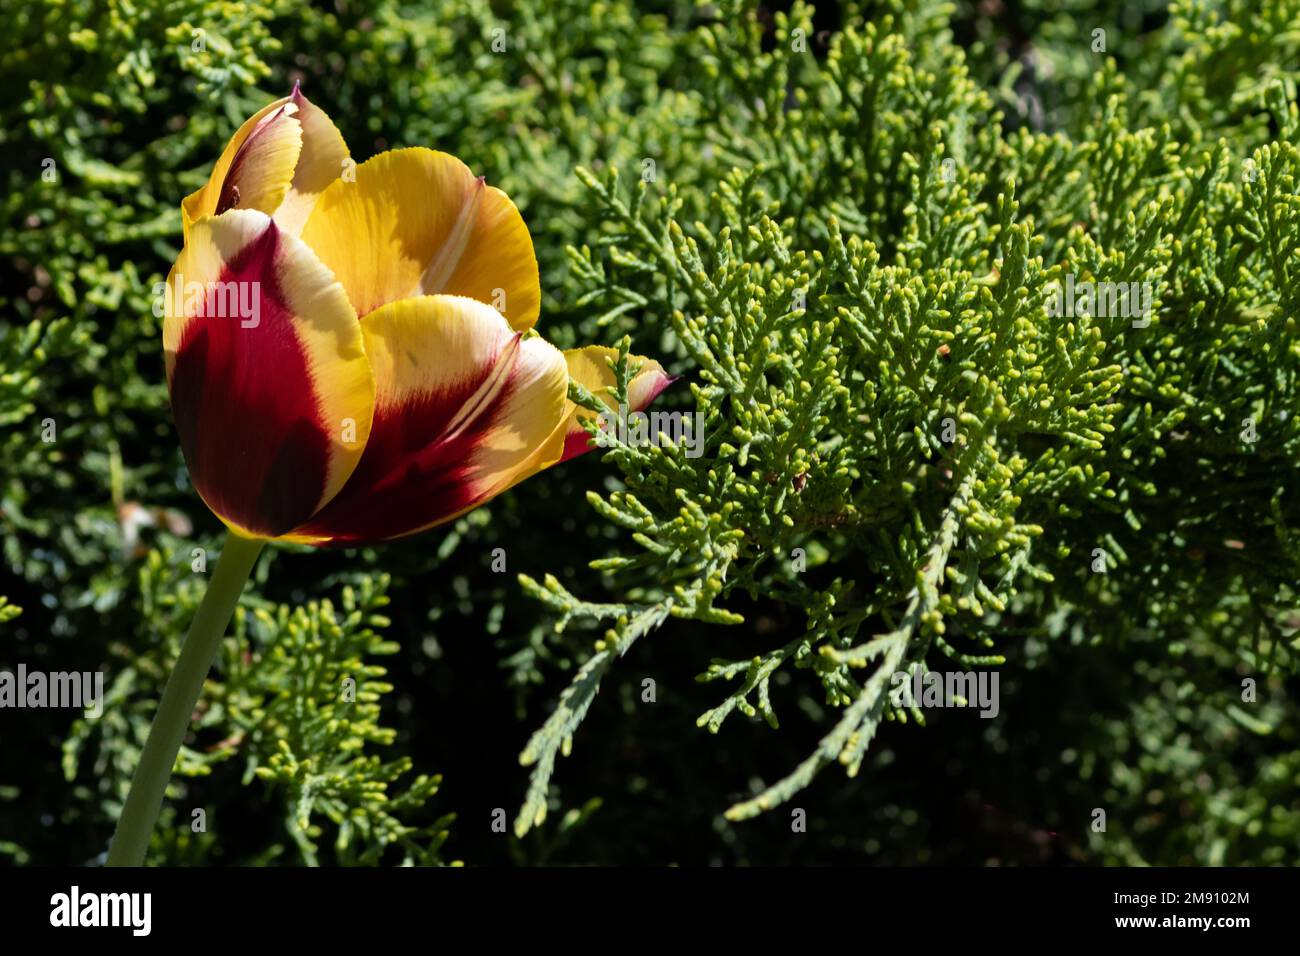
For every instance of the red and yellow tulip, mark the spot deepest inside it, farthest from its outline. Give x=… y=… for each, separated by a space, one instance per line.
x=387 y=379
x=358 y=364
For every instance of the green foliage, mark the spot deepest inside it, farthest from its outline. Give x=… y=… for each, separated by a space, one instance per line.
x=295 y=705
x=924 y=302
x=840 y=227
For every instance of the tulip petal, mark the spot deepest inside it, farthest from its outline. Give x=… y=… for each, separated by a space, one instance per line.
x=254 y=170
x=278 y=162
x=418 y=222
x=271 y=390
x=590 y=367
x=463 y=403
x=324 y=154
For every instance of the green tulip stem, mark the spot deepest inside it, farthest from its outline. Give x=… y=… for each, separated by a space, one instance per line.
x=144 y=800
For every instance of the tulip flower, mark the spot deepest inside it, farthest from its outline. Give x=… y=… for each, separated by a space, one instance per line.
x=351 y=358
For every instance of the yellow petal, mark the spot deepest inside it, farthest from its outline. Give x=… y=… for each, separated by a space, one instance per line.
x=271 y=390
x=418 y=222
x=254 y=170
x=590 y=367
x=278 y=162
x=323 y=160
x=463 y=403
